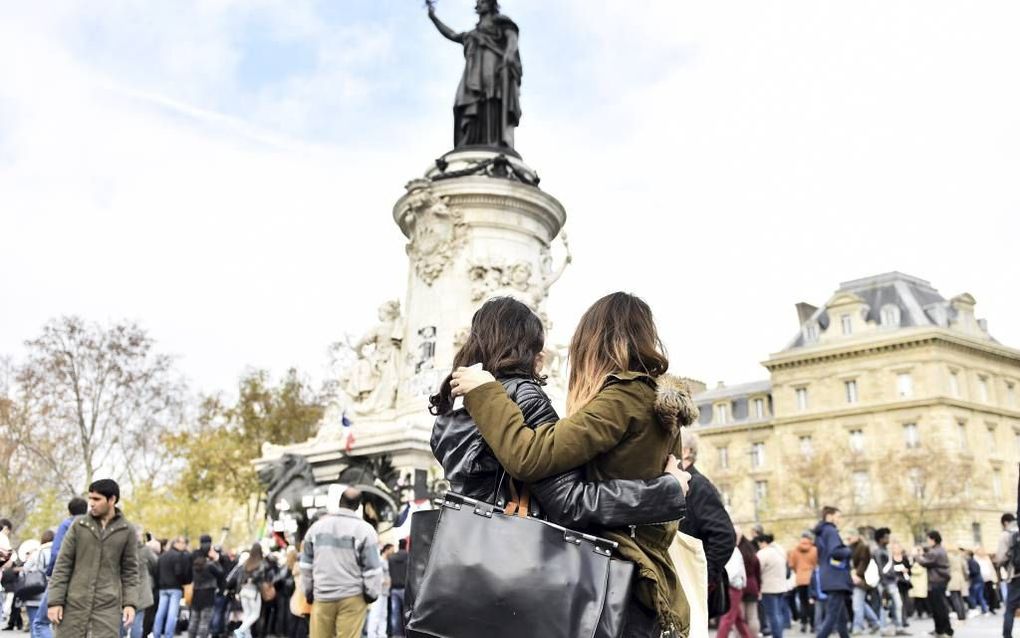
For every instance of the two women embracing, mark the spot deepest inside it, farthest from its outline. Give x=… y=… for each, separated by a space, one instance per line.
x=608 y=468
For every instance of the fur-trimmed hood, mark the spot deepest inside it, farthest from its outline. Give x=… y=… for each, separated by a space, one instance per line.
x=674 y=404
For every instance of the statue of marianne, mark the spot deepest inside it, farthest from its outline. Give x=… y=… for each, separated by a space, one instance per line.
x=487 y=107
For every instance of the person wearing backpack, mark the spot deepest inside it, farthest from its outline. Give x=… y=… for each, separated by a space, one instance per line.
x=37 y=564
x=864 y=575
x=1007 y=557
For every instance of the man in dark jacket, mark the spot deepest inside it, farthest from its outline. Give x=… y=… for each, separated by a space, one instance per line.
x=207 y=578
x=936 y=561
x=398 y=581
x=834 y=573
x=707 y=519
x=174 y=572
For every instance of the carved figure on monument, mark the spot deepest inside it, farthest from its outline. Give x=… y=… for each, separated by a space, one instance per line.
x=436 y=230
x=287 y=480
x=487 y=107
x=372 y=380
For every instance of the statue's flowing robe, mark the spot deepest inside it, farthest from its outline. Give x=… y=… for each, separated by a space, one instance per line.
x=487 y=87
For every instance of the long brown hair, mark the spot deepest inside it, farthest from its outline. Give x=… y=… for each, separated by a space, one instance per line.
x=617 y=334
x=506 y=337
x=254 y=558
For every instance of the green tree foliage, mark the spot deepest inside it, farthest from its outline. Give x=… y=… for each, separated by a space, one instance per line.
x=218 y=452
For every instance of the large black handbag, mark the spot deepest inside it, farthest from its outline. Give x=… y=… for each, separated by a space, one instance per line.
x=475 y=570
x=30 y=584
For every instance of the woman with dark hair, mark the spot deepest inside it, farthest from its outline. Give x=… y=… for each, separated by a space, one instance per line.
x=248 y=578
x=624 y=422
x=752 y=590
x=508 y=339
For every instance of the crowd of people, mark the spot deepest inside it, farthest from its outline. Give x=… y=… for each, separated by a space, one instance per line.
x=865 y=582
x=620 y=465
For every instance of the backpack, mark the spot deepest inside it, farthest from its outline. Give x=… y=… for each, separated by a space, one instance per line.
x=1013 y=555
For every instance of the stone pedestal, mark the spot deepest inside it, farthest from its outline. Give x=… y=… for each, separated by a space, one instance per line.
x=477 y=226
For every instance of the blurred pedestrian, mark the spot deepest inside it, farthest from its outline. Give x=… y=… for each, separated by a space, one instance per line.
x=803 y=560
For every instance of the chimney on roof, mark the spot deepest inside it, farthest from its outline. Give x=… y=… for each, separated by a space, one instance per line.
x=983 y=324
x=804 y=311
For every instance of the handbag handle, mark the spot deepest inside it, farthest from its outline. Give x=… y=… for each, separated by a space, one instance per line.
x=520 y=502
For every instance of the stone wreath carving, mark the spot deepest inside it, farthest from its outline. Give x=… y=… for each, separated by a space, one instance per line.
x=436 y=230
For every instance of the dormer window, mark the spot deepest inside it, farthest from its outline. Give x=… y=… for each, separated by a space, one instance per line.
x=722 y=413
x=847 y=323
x=890 y=316
x=811 y=332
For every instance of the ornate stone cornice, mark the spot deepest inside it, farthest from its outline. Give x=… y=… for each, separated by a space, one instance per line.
x=895 y=341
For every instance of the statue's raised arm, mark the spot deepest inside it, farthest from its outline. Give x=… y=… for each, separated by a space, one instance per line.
x=487 y=106
x=447 y=32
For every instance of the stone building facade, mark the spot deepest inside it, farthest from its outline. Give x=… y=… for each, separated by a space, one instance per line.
x=891 y=402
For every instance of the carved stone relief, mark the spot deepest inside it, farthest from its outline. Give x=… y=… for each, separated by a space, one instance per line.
x=436 y=230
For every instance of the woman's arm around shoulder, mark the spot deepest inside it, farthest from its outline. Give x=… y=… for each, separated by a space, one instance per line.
x=531 y=455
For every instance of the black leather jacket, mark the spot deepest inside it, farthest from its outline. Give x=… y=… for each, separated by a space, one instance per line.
x=568 y=499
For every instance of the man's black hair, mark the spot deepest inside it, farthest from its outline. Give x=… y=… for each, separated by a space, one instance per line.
x=386 y=546
x=106 y=487
x=1007 y=518
x=78 y=506
x=5 y=523
x=881 y=533
x=935 y=536
x=402 y=544
x=350 y=499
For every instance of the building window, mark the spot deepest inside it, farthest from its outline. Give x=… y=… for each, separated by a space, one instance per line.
x=757 y=456
x=991 y=441
x=997 y=483
x=806 y=446
x=983 y=389
x=724 y=458
x=722 y=413
x=890 y=316
x=810 y=332
x=961 y=434
x=851 y=390
x=916 y=482
x=975 y=533
x=1011 y=394
x=802 y=399
x=1016 y=442
x=857 y=440
x=727 y=497
x=862 y=487
x=761 y=492
x=759 y=408
x=848 y=326
x=954 y=384
x=812 y=498
x=911 y=436
x=904 y=385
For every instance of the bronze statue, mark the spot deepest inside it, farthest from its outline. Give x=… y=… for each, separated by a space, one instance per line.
x=487 y=106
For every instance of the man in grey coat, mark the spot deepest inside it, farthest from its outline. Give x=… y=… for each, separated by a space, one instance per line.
x=936 y=561
x=94 y=588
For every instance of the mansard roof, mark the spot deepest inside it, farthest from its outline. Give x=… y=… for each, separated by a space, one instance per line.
x=917 y=302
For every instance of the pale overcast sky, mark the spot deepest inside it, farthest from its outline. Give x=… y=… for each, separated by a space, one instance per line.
x=223 y=171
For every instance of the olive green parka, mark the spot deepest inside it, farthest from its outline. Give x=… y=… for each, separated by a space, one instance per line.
x=626 y=432
x=95 y=577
